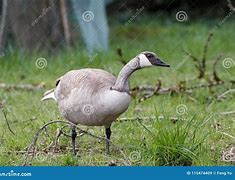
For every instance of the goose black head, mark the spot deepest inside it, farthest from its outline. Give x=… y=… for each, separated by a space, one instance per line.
x=150 y=59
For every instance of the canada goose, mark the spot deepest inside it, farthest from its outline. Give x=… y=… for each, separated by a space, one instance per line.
x=94 y=97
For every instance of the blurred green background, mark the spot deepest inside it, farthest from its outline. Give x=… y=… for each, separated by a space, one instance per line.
x=203 y=134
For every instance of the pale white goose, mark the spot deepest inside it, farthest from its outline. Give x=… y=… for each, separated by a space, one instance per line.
x=94 y=97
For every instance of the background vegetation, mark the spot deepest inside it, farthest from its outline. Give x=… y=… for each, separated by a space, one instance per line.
x=174 y=128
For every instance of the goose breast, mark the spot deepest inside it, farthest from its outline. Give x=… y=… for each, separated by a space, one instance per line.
x=84 y=97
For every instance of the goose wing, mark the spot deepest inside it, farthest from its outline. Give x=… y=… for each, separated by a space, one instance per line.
x=87 y=82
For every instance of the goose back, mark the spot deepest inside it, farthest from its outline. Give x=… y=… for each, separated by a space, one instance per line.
x=90 y=80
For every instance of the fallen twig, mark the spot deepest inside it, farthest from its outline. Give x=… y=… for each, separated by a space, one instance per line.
x=59 y=132
x=8 y=125
x=190 y=55
x=125 y=119
x=135 y=118
x=31 y=147
x=215 y=75
x=227 y=113
x=208 y=85
x=33 y=143
x=226 y=134
x=203 y=62
x=151 y=90
x=26 y=87
x=225 y=93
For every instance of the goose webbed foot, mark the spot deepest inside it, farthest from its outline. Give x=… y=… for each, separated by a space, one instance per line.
x=73 y=135
x=108 y=135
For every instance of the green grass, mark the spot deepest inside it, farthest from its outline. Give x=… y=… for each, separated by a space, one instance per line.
x=192 y=140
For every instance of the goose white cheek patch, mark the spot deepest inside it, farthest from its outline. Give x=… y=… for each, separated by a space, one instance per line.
x=144 y=62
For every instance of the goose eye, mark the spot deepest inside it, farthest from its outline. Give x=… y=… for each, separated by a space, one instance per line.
x=149 y=55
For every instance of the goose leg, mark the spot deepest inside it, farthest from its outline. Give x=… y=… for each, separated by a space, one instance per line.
x=73 y=135
x=108 y=134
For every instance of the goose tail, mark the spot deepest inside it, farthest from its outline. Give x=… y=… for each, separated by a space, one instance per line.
x=49 y=95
